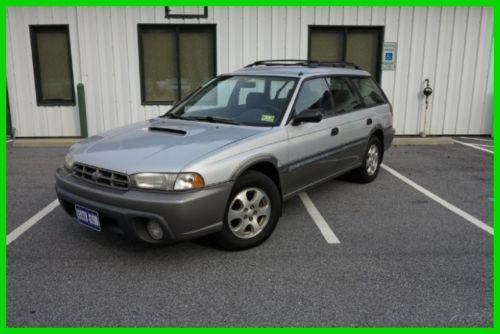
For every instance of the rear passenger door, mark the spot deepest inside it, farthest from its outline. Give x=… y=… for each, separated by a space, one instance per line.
x=352 y=119
x=375 y=101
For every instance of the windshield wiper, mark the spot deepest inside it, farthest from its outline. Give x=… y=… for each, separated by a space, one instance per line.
x=213 y=119
x=171 y=116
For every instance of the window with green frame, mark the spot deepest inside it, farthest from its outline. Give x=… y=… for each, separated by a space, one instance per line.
x=357 y=44
x=52 y=65
x=174 y=60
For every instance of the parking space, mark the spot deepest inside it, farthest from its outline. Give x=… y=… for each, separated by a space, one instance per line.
x=30 y=181
x=403 y=259
x=461 y=175
x=484 y=144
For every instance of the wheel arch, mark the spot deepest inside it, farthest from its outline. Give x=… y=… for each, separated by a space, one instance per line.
x=378 y=132
x=267 y=165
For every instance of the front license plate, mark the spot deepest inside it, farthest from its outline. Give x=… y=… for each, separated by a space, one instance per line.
x=87 y=217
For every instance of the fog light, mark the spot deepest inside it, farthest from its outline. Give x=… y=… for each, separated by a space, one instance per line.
x=154 y=230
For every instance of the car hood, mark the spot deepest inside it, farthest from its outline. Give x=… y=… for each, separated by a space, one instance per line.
x=158 y=145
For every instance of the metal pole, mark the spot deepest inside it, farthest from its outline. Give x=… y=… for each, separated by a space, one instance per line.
x=82 y=109
x=10 y=133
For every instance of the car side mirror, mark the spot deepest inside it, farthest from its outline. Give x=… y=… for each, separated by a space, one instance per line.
x=307 y=116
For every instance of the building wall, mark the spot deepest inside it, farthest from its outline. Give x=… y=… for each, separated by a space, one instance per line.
x=453 y=47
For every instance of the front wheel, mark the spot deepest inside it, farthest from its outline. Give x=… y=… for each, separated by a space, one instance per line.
x=372 y=159
x=252 y=212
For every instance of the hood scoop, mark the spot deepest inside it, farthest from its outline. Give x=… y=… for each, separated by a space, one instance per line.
x=169 y=130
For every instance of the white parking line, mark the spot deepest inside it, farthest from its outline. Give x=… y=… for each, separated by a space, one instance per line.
x=484 y=145
x=479 y=139
x=318 y=219
x=30 y=222
x=441 y=201
x=8 y=141
x=472 y=145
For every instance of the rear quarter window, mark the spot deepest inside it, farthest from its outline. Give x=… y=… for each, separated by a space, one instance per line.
x=370 y=92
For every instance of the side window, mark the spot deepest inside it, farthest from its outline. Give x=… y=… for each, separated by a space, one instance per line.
x=314 y=94
x=369 y=91
x=345 y=98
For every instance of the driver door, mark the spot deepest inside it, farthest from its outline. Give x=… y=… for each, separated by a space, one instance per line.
x=312 y=145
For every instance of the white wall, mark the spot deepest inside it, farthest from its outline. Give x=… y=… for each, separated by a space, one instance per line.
x=453 y=47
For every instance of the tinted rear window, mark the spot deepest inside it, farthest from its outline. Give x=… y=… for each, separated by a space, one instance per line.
x=369 y=91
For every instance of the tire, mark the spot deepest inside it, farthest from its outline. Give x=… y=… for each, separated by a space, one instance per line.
x=248 y=223
x=369 y=169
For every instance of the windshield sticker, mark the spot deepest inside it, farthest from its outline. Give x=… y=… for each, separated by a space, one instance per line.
x=267 y=118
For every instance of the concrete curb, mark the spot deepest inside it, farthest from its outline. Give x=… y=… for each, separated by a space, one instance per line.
x=44 y=142
x=401 y=141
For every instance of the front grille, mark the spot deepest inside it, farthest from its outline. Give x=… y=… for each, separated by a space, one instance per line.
x=100 y=176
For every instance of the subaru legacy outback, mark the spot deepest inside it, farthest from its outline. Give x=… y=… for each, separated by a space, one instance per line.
x=223 y=160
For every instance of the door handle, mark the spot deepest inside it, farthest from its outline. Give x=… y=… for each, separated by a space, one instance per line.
x=369 y=121
x=335 y=131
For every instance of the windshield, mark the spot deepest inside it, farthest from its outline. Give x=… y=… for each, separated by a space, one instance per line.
x=247 y=100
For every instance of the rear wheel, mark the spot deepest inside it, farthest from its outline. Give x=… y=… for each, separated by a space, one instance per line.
x=372 y=159
x=252 y=212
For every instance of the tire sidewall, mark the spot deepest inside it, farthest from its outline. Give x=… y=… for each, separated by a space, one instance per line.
x=366 y=176
x=251 y=179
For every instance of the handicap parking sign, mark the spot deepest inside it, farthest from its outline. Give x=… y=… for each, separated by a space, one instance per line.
x=389 y=56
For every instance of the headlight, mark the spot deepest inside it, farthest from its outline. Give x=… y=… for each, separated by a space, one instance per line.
x=189 y=181
x=69 y=161
x=167 y=181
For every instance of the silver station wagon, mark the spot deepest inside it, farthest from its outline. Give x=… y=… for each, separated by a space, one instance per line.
x=223 y=160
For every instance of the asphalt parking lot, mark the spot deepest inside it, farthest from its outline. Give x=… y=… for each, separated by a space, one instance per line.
x=403 y=258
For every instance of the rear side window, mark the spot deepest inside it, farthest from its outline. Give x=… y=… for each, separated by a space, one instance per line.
x=345 y=98
x=369 y=91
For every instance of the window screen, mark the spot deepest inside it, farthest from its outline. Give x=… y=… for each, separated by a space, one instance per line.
x=362 y=48
x=52 y=65
x=369 y=91
x=160 y=71
x=326 y=45
x=175 y=60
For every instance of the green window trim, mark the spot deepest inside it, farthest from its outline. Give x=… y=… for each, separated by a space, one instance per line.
x=164 y=51
x=343 y=42
x=52 y=65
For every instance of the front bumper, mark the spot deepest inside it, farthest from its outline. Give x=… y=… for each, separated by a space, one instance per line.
x=183 y=215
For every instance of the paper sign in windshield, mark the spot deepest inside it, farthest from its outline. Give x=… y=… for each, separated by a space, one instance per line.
x=267 y=118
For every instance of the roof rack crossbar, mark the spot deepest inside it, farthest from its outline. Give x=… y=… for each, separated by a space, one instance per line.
x=302 y=62
x=334 y=64
x=279 y=62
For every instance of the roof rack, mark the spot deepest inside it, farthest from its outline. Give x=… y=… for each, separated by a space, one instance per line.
x=302 y=62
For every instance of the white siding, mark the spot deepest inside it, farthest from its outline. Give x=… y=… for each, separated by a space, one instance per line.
x=453 y=47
